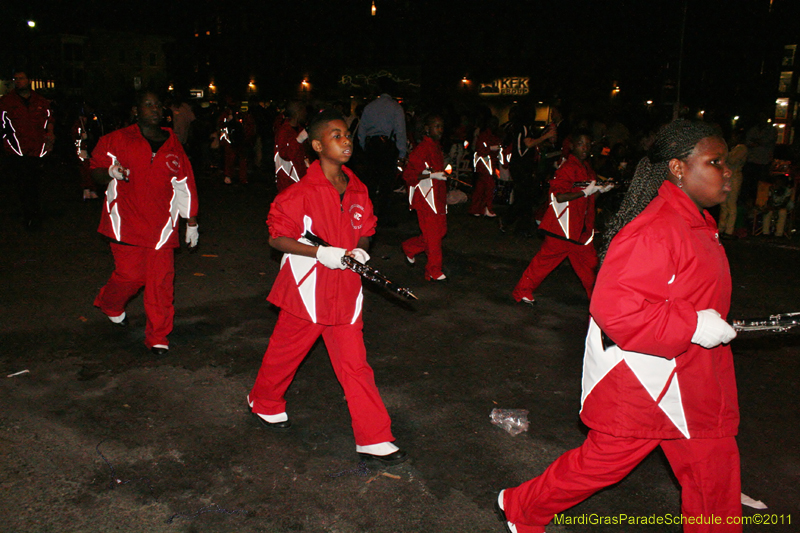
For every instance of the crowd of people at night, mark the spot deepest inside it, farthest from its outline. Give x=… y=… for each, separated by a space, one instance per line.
x=634 y=203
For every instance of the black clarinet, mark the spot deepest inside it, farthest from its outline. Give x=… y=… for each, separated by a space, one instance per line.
x=780 y=322
x=365 y=271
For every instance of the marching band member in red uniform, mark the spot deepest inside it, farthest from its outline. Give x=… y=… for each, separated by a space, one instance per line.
x=657 y=368
x=427 y=194
x=318 y=296
x=291 y=163
x=485 y=161
x=26 y=126
x=568 y=223
x=237 y=133
x=150 y=185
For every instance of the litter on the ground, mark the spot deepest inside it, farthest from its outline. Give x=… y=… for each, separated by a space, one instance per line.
x=750 y=502
x=18 y=373
x=515 y=421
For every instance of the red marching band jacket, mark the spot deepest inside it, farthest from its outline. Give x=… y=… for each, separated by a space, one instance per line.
x=487 y=152
x=25 y=128
x=304 y=287
x=290 y=155
x=144 y=210
x=428 y=193
x=654 y=383
x=573 y=220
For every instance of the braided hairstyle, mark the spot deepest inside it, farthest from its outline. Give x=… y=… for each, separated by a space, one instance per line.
x=676 y=140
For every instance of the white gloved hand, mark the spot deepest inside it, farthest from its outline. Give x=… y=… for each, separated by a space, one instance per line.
x=606 y=188
x=192 y=235
x=591 y=188
x=83 y=155
x=360 y=255
x=331 y=257
x=439 y=176
x=118 y=172
x=711 y=330
x=302 y=137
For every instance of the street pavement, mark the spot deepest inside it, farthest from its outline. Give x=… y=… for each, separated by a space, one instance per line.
x=100 y=435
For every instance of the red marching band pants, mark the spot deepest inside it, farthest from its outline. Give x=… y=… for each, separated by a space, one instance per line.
x=434 y=228
x=582 y=257
x=289 y=344
x=483 y=195
x=231 y=154
x=136 y=267
x=707 y=470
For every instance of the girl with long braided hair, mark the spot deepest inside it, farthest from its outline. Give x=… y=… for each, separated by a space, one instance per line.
x=657 y=367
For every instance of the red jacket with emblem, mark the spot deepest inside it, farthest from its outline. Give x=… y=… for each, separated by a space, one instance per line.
x=144 y=210
x=660 y=269
x=304 y=287
x=427 y=155
x=573 y=220
x=25 y=127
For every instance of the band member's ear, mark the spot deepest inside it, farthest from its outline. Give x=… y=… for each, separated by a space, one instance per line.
x=676 y=168
x=316 y=145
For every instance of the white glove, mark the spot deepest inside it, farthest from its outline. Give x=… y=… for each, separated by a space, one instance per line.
x=192 y=235
x=118 y=172
x=360 y=255
x=302 y=137
x=606 y=188
x=83 y=155
x=331 y=257
x=590 y=189
x=712 y=330
x=439 y=176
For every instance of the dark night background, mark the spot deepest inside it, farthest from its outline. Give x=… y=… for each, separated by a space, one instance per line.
x=570 y=49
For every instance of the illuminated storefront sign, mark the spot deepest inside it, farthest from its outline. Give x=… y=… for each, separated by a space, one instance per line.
x=512 y=85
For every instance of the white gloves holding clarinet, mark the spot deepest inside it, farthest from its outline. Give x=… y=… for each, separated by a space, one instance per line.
x=593 y=187
x=712 y=330
x=331 y=257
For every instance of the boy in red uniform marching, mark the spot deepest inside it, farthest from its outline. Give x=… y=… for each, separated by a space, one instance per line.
x=318 y=296
x=568 y=223
x=427 y=194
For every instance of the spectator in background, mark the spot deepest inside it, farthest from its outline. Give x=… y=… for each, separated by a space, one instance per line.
x=382 y=137
x=728 y=211
x=182 y=118
x=760 y=141
x=525 y=173
x=27 y=129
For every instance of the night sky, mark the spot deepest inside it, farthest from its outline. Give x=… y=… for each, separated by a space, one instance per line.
x=567 y=47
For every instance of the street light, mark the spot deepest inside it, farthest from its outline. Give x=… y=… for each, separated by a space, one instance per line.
x=31 y=23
